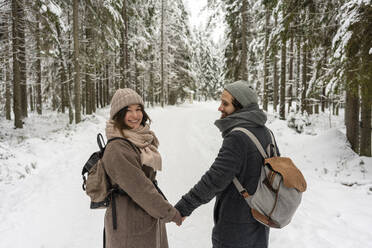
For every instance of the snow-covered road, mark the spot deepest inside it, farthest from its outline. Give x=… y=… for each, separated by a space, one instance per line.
x=48 y=209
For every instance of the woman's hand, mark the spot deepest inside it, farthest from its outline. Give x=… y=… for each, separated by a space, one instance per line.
x=178 y=218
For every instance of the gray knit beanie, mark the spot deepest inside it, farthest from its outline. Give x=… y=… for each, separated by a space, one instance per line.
x=123 y=98
x=242 y=92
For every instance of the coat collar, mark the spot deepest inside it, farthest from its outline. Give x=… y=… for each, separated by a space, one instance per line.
x=251 y=116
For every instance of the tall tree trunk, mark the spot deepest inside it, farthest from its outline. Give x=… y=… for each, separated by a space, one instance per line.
x=63 y=76
x=31 y=98
x=39 y=107
x=309 y=102
x=323 y=98
x=266 y=69
x=68 y=85
x=283 y=77
x=83 y=83
x=152 y=84
x=93 y=91
x=3 y=60
x=317 y=91
x=124 y=59
x=65 y=91
x=316 y=108
x=298 y=73
x=7 y=71
x=98 y=89
x=107 y=101
x=101 y=87
x=137 y=87
x=167 y=93
x=276 y=84
x=323 y=95
x=162 y=90
x=16 y=67
x=304 y=78
x=88 y=69
x=275 y=73
x=365 y=132
x=235 y=69
x=76 y=61
x=7 y=93
x=63 y=97
x=352 y=116
x=290 y=79
x=53 y=90
x=243 y=70
x=67 y=95
x=83 y=96
x=115 y=70
x=127 y=55
x=22 y=56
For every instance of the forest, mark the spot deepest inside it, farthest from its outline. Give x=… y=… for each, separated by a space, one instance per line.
x=302 y=56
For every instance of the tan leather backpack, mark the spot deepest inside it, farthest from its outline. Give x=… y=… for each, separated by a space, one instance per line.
x=279 y=190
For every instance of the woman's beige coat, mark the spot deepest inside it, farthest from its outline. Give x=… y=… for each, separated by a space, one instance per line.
x=142 y=214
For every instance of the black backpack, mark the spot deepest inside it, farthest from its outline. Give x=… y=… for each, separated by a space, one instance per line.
x=96 y=182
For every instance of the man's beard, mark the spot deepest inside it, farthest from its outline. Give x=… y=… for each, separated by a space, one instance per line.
x=223 y=115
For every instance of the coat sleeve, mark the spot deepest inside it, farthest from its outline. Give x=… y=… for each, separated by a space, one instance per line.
x=123 y=167
x=225 y=167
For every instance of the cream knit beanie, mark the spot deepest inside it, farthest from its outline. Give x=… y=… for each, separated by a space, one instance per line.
x=123 y=98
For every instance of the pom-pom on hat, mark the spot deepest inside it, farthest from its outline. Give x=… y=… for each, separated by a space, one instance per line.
x=123 y=98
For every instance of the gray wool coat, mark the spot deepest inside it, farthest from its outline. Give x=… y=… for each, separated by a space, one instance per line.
x=234 y=226
x=143 y=212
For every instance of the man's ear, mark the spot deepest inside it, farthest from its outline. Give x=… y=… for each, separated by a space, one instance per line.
x=236 y=104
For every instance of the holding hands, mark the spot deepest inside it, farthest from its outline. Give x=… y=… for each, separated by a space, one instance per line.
x=178 y=219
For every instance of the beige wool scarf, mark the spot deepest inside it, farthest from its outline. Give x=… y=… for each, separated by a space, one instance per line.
x=141 y=137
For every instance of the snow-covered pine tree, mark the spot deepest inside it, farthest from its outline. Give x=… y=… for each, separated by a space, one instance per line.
x=353 y=59
x=180 y=79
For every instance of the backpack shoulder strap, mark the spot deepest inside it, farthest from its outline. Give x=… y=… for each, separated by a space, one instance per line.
x=254 y=140
x=101 y=142
x=241 y=189
x=273 y=145
x=135 y=148
x=115 y=138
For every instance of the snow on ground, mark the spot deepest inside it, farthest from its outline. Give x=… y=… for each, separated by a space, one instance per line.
x=42 y=203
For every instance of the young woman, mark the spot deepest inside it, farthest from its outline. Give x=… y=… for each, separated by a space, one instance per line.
x=131 y=164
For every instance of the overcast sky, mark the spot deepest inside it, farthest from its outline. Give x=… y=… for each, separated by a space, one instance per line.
x=198 y=18
x=195 y=6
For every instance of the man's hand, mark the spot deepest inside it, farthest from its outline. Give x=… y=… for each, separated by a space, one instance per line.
x=180 y=223
x=183 y=219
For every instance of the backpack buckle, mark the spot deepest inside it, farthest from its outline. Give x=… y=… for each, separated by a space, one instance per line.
x=244 y=193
